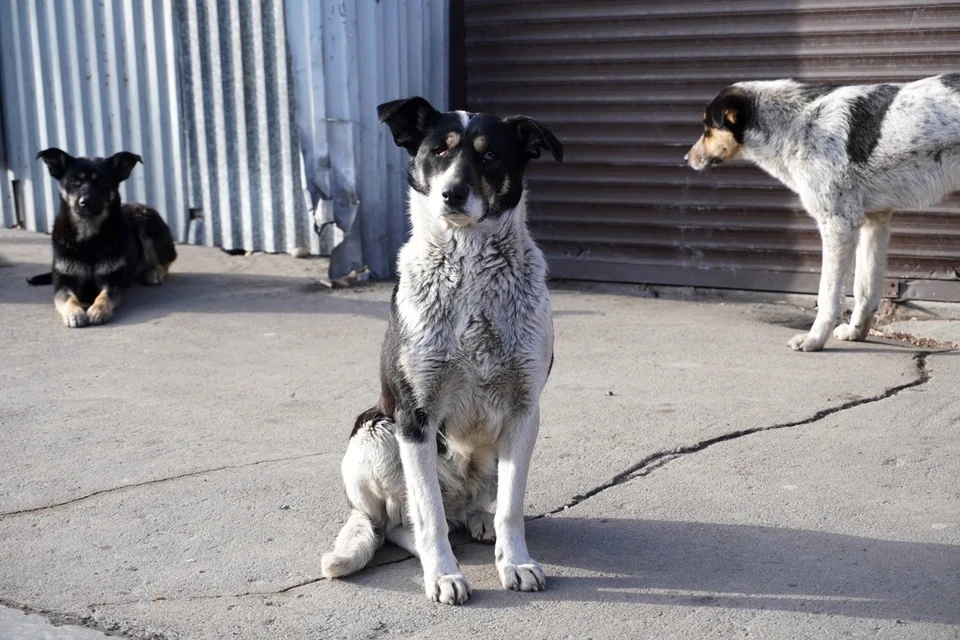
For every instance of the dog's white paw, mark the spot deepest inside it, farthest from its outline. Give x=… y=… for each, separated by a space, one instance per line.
x=522 y=577
x=75 y=319
x=449 y=589
x=97 y=314
x=481 y=527
x=805 y=342
x=848 y=332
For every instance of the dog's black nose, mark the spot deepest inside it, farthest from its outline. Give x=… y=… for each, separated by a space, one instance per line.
x=456 y=195
x=83 y=202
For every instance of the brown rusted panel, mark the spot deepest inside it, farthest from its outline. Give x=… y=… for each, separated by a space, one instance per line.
x=623 y=84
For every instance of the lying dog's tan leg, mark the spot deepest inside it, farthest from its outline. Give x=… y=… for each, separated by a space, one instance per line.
x=103 y=307
x=69 y=308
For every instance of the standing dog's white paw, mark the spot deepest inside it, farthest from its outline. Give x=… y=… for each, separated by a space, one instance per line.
x=522 y=577
x=804 y=342
x=848 y=332
x=449 y=589
x=481 y=527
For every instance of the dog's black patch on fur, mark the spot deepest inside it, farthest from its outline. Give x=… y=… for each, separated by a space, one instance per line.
x=372 y=416
x=866 y=120
x=731 y=102
x=951 y=81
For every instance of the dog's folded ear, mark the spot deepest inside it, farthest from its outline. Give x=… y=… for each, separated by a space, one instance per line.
x=409 y=120
x=123 y=163
x=56 y=160
x=534 y=136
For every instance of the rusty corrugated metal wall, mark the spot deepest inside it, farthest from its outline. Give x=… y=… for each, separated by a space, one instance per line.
x=623 y=84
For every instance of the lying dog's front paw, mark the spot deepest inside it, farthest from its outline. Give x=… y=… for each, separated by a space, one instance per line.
x=75 y=319
x=804 y=342
x=481 y=527
x=522 y=577
x=99 y=314
x=849 y=332
x=448 y=589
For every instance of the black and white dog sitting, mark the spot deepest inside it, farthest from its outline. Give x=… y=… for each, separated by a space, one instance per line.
x=467 y=352
x=853 y=154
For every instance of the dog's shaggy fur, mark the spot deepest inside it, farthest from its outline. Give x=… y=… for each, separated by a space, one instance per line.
x=467 y=352
x=853 y=154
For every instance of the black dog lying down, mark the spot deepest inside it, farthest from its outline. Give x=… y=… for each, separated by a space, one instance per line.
x=100 y=245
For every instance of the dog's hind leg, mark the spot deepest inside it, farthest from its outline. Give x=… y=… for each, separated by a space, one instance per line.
x=518 y=571
x=839 y=242
x=868 y=279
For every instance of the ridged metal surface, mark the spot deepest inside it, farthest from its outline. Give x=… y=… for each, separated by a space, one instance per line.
x=92 y=78
x=347 y=58
x=623 y=84
x=243 y=147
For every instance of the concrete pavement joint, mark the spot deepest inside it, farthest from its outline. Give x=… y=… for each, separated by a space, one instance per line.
x=651 y=463
x=145 y=483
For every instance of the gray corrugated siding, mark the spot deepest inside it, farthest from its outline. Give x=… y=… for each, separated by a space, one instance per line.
x=243 y=145
x=623 y=83
x=80 y=76
x=347 y=58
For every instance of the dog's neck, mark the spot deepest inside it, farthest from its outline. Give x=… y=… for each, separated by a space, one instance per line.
x=775 y=136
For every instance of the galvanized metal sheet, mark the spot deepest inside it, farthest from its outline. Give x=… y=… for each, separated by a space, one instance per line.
x=92 y=78
x=623 y=84
x=243 y=153
x=347 y=58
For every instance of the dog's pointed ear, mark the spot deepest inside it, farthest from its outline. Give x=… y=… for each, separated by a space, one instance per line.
x=533 y=137
x=56 y=160
x=123 y=163
x=409 y=120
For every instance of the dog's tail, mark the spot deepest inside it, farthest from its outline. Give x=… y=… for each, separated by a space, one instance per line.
x=41 y=279
x=356 y=543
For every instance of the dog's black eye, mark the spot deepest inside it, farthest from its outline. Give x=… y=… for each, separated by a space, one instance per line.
x=440 y=150
x=489 y=156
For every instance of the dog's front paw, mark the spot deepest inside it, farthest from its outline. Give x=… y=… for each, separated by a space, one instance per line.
x=481 y=527
x=99 y=314
x=527 y=576
x=849 y=332
x=449 y=589
x=75 y=319
x=805 y=342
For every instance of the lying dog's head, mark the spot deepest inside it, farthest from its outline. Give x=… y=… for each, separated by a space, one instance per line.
x=469 y=166
x=89 y=186
x=724 y=123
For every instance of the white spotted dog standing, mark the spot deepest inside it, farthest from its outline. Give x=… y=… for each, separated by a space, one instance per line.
x=468 y=349
x=853 y=154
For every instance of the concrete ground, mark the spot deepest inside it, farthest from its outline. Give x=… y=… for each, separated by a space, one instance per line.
x=175 y=473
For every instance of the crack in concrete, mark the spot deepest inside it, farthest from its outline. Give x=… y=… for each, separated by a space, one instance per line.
x=654 y=461
x=145 y=483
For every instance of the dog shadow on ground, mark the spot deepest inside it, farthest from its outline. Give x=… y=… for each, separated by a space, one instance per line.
x=699 y=564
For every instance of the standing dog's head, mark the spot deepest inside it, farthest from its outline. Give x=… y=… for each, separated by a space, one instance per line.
x=468 y=166
x=89 y=186
x=724 y=123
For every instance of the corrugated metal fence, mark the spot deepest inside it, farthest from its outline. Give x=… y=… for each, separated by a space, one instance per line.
x=348 y=57
x=220 y=98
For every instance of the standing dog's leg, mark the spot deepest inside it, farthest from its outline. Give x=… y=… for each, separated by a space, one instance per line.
x=518 y=571
x=868 y=280
x=443 y=580
x=839 y=241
